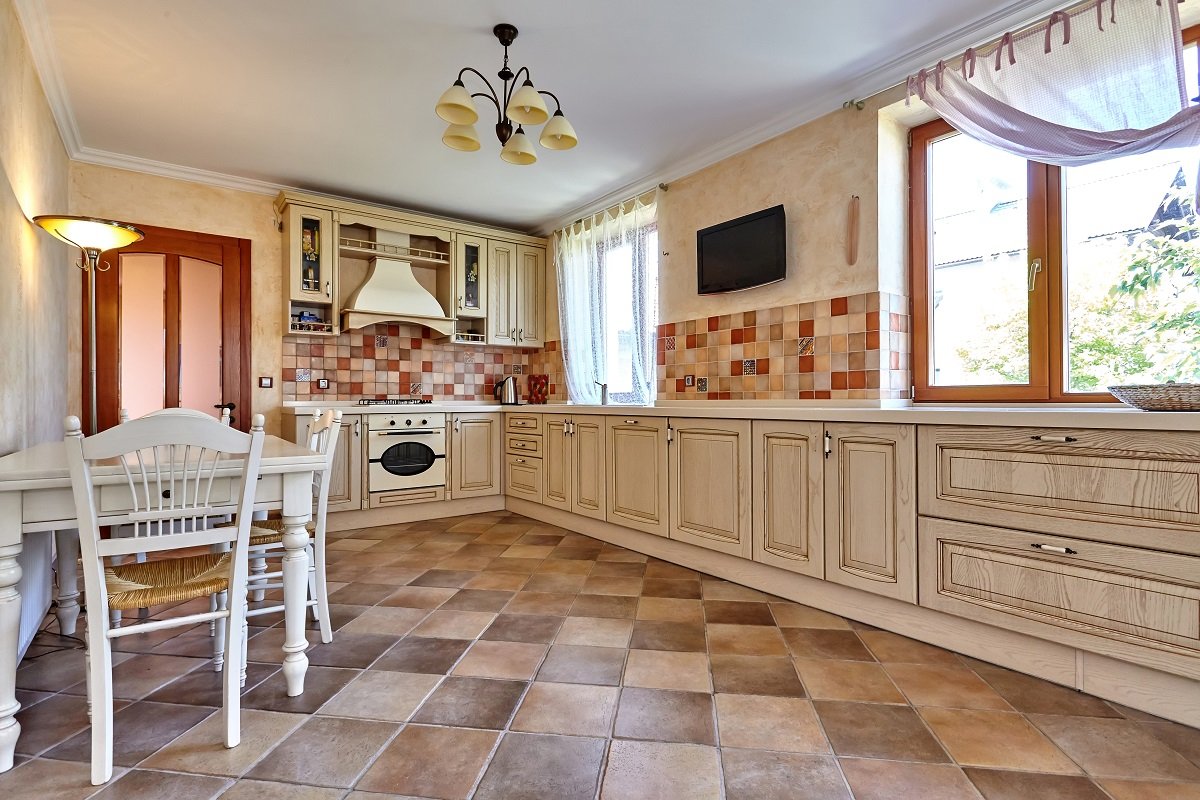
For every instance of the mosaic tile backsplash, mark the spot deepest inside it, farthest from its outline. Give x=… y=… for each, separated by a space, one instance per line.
x=854 y=347
x=408 y=361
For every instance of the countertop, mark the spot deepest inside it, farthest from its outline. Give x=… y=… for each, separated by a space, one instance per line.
x=1048 y=416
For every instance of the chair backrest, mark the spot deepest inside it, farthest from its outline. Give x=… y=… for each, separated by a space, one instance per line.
x=226 y=418
x=171 y=469
x=322 y=437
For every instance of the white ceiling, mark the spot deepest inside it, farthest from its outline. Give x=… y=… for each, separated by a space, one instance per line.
x=338 y=97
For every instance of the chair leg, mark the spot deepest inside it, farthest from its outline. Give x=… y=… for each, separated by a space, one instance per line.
x=245 y=641
x=231 y=682
x=100 y=682
x=219 y=648
x=320 y=592
x=312 y=581
x=258 y=566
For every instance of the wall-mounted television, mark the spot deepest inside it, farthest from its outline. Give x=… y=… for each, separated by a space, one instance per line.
x=742 y=253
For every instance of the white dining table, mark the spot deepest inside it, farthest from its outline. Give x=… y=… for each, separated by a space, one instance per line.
x=35 y=497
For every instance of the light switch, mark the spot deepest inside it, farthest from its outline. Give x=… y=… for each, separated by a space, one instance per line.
x=322 y=383
x=266 y=382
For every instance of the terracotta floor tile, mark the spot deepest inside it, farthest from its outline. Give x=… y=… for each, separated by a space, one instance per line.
x=353 y=650
x=141 y=674
x=733 y=612
x=660 y=771
x=47 y=723
x=1116 y=748
x=791 y=615
x=1036 y=696
x=871 y=779
x=523 y=628
x=579 y=664
x=138 y=731
x=511 y=660
x=551 y=539
x=146 y=785
x=269 y=790
x=619 y=569
x=769 y=723
x=1008 y=785
x=471 y=703
x=666 y=716
x=680 y=636
x=681 y=589
x=320 y=684
x=447 y=578
x=478 y=600
x=663 y=669
x=604 y=605
x=202 y=749
x=764 y=675
x=454 y=624
x=570 y=709
x=497 y=581
x=595 y=631
x=826 y=643
x=891 y=647
x=405 y=766
x=381 y=620
x=670 y=609
x=745 y=640
x=540 y=603
x=947 y=686
x=872 y=730
x=537 y=767
x=392 y=576
x=1180 y=738
x=266 y=646
x=382 y=695
x=1144 y=790
x=361 y=594
x=861 y=681
x=555 y=583
x=717 y=589
x=518 y=566
x=760 y=775
x=415 y=654
x=306 y=756
x=528 y=551
x=418 y=597
x=564 y=567
x=664 y=569
x=628 y=587
x=996 y=739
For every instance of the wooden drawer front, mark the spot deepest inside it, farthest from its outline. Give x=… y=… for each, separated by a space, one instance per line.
x=1127 y=594
x=523 y=445
x=115 y=498
x=523 y=477
x=522 y=423
x=1102 y=477
x=432 y=494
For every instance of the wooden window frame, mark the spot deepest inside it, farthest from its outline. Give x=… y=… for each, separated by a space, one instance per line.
x=1047 y=302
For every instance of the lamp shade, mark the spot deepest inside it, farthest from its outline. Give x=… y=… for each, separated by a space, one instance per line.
x=526 y=106
x=518 y=149
x=456 y=107
x=87 y=233
x=558 y=134
x=461 y=137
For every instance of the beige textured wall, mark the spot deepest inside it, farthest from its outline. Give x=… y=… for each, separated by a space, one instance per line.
x=37 y=281
x=812 y=170
x=152 y=200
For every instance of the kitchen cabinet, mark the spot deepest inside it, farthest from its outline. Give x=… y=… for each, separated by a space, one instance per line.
x=523 y=477
x=517 y=294
x=788 y=496
x=573 y=464
x=471 y=277
x=310 y=242
x=710 y=484
x=346 y=477
x=475 y=458
x=870 y=508
x=637 y=473
x=531 y=296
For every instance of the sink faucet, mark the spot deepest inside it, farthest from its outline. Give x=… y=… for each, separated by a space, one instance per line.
x=603 y=393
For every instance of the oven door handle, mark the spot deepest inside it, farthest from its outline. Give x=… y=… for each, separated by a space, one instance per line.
x=405 y=433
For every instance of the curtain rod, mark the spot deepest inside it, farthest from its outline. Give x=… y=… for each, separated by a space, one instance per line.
x=617 y=206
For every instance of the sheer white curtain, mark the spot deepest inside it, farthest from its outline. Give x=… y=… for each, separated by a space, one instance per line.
x=608 y=302
x=1099 y=80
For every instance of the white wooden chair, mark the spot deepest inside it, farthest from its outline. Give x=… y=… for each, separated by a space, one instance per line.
x=178 y=469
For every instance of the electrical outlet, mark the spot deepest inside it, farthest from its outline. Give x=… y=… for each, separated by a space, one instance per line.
x=323 y=383
x=266 y=382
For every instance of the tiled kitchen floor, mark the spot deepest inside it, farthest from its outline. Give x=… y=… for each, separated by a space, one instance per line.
x=496 y=657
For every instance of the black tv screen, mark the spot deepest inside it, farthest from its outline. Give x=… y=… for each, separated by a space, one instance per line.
x=742 y=253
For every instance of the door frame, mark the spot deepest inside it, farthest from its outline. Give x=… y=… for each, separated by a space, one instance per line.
x=234 y=256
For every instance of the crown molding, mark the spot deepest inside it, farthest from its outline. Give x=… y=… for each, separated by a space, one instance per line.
x=163 y=169
x=32 y=16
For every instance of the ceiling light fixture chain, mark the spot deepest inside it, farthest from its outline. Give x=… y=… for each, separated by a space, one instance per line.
x=517 y=102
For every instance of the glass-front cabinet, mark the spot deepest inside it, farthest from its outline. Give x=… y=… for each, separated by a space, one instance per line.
x=471 y=281
x=312 y=276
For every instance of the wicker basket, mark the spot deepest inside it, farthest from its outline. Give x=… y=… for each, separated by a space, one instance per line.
x=1160 y=397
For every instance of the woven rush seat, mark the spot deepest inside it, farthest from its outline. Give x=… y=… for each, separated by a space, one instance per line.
x=268 y=531
x=168 y=580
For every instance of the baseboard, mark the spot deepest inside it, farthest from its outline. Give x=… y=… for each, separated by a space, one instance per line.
x=1159 y=693
x=374 y=517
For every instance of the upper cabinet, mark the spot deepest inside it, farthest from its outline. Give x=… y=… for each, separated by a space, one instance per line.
x=310 y=290
x=531 y=296
x=502 y=286
x=471 y=271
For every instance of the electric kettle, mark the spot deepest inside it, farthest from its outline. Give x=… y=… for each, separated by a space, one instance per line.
x=506 y=391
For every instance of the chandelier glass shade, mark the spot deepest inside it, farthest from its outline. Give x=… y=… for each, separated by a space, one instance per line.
x=518 y=103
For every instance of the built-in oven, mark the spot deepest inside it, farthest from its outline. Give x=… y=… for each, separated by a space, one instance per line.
x=405 y=451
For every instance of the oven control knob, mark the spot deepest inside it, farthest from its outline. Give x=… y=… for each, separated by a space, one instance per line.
x=391 y=422
x=424 y=422
x=408 y=422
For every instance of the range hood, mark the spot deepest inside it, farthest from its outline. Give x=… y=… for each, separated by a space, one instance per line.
x=391 y=292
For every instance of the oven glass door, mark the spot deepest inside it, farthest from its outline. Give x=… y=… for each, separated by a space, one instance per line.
x=408 y=458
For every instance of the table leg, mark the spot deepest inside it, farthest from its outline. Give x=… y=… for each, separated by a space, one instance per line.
x=10 y=627
x=66 y=543
x=297 y=510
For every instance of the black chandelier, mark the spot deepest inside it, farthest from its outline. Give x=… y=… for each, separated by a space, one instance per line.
x=521 y=104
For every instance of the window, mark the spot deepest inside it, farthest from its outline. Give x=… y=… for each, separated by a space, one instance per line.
x=1033 y=282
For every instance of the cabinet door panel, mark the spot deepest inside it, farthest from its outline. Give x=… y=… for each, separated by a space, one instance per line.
x=310 y=244
x=345 y=475
x=710 y=482
x=556 y=462
x=475 y=455
x=789 y=521
x=589 y=472
x=870 y=509
x=523 y=477
x=637 y=473
x=531 y=296
x=471 y=277
x=502 y=301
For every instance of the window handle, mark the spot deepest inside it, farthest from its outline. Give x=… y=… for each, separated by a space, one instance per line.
x=1034 y=268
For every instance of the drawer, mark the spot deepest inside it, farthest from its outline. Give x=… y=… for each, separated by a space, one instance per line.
x=523 y=423
x=1093 y=483
x=405 y=497
x=523 y=445
x=116 y=498
x=523 y=477
x=1129 y=602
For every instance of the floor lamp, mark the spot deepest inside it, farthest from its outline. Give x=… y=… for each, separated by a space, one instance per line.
x=92 y=237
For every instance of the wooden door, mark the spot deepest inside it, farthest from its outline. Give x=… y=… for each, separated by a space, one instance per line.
x=637 y=473
x=191 y=265
x=788 y=499
x=589 y=466
x=474 y=455
x=557 y=462
x=502 y=298
x=870 y=508
x=531 y=296
x=710 y=484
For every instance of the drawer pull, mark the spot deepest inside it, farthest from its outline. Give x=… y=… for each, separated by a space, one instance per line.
x=518 y=461
x=1066 y=551
x=631 y=422
x=1044 y=438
